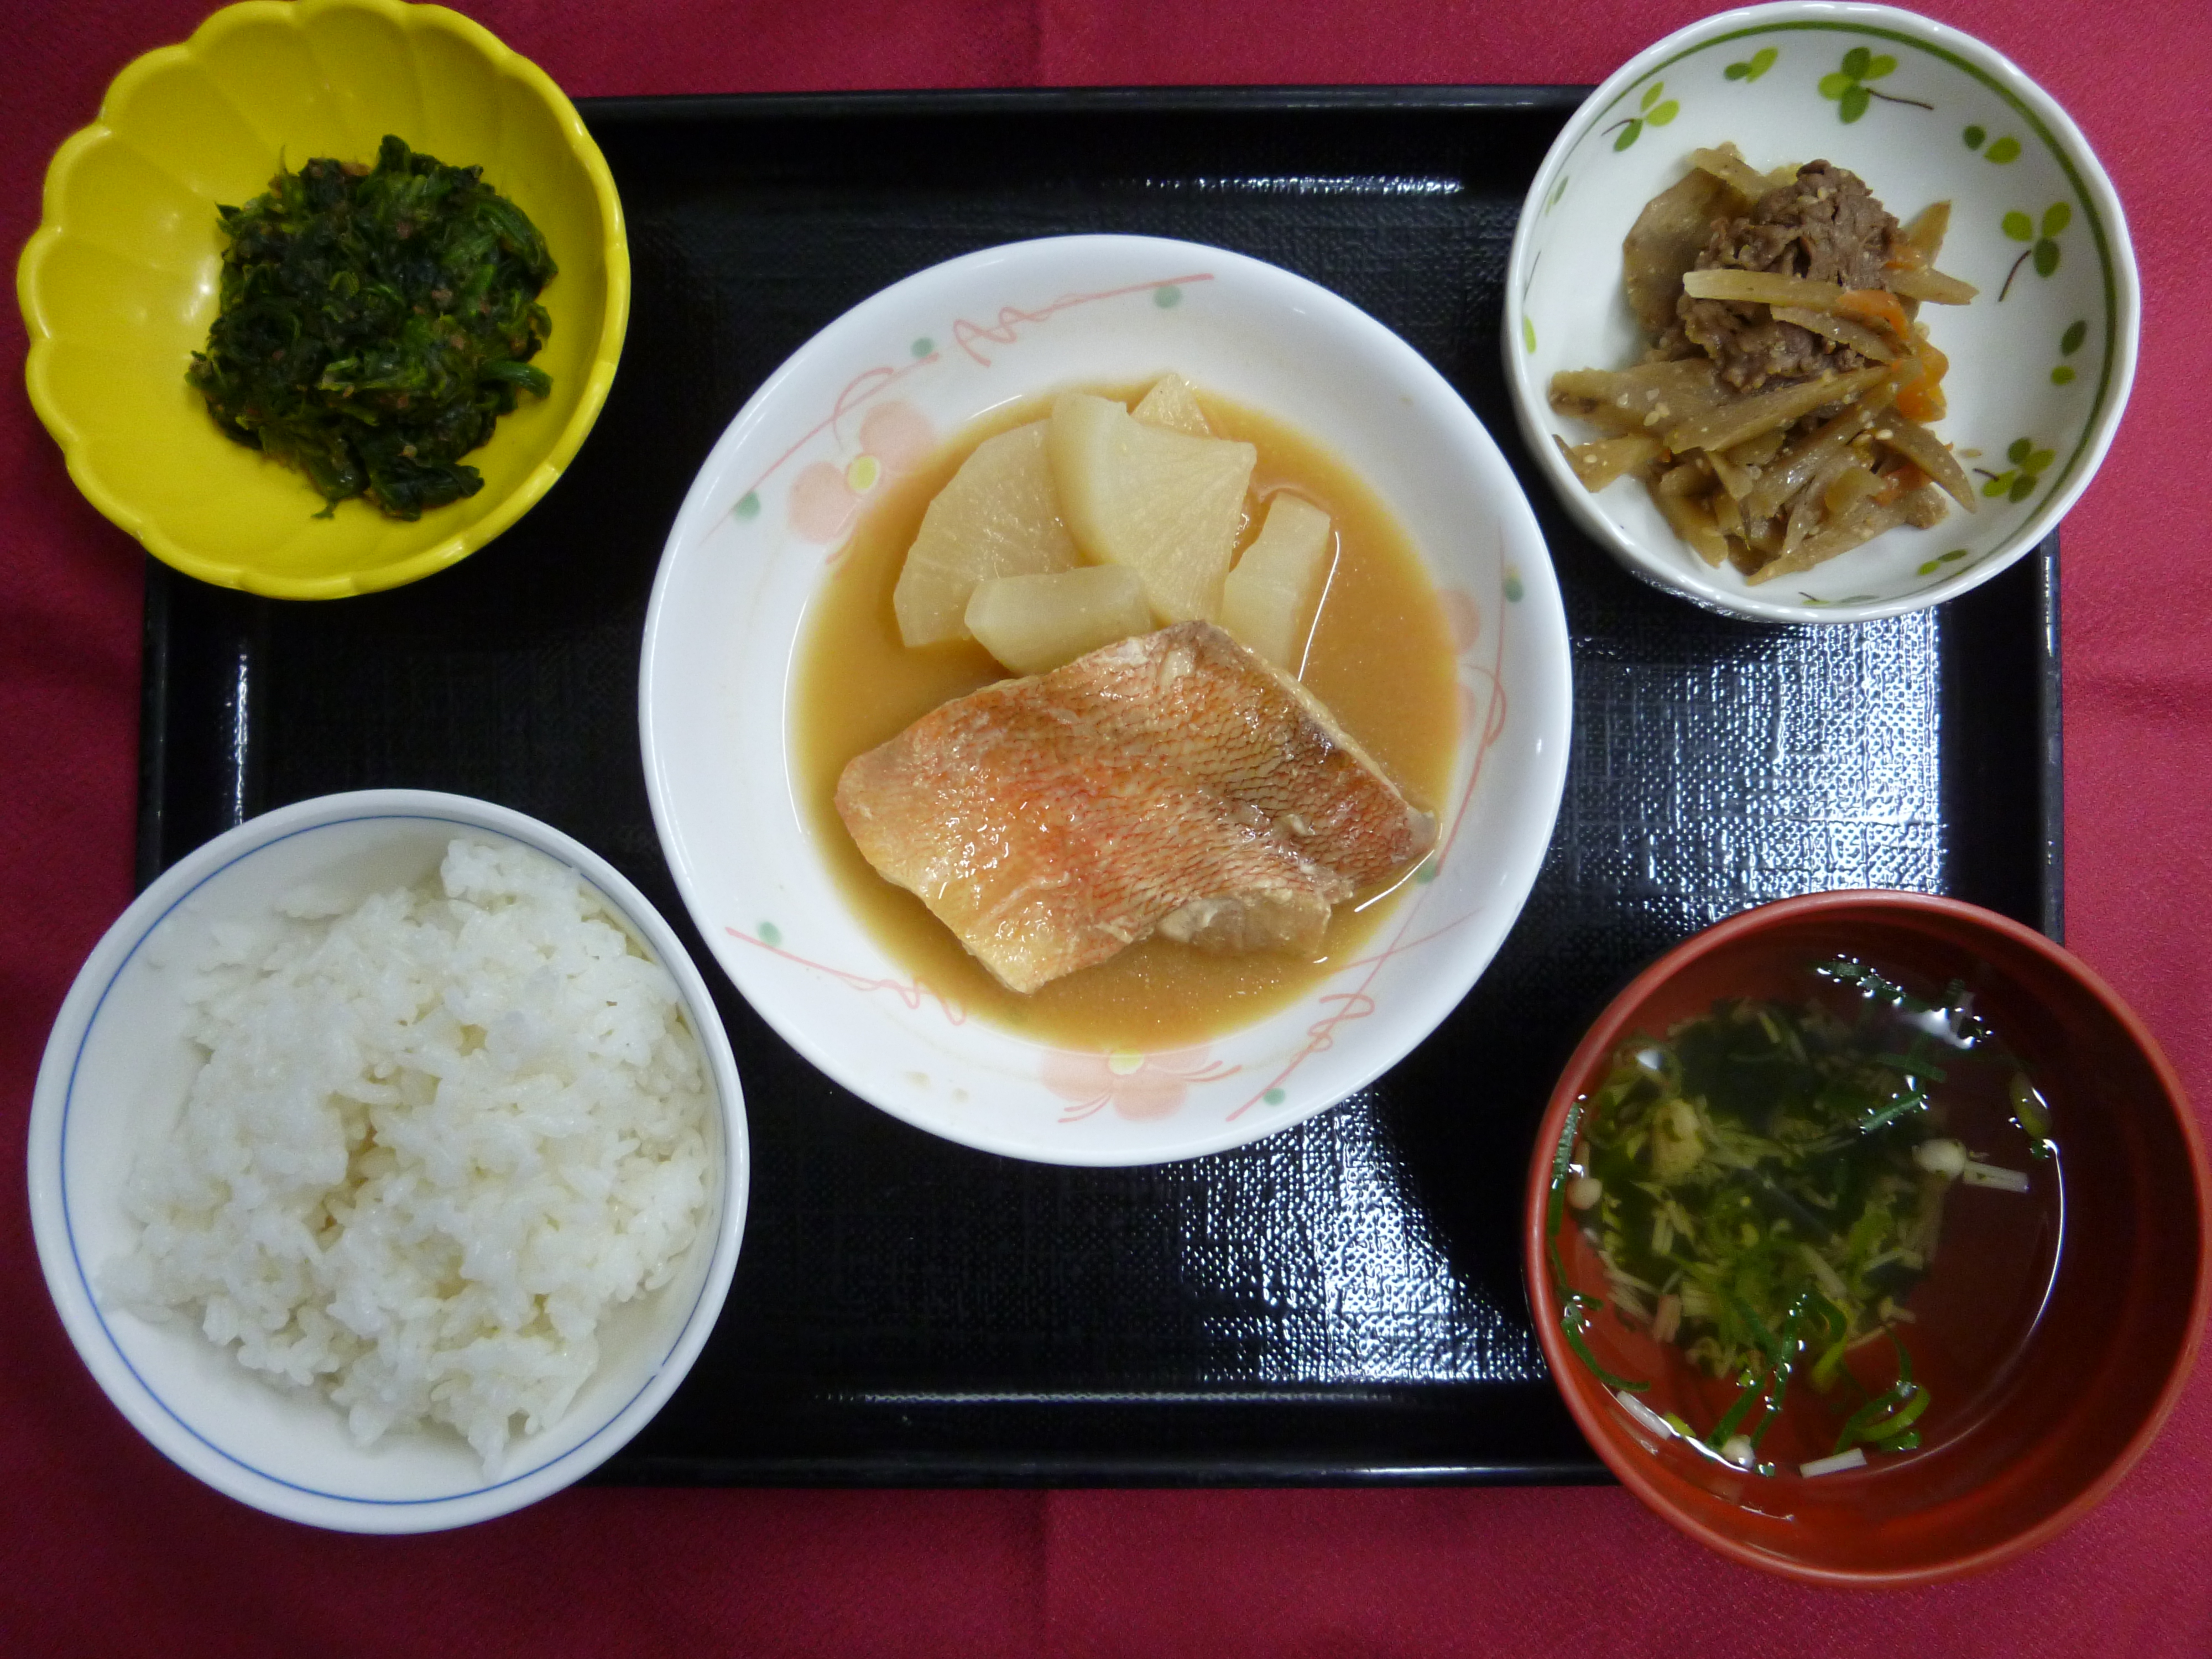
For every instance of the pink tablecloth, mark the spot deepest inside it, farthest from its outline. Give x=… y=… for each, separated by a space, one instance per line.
x=105 y=1548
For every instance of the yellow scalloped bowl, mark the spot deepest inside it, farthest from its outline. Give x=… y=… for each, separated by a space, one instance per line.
x=119 y=286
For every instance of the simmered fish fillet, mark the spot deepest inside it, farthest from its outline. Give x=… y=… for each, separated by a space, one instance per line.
x=1172 y=781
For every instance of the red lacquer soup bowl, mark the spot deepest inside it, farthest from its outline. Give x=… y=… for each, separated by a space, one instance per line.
x=2063 y=1292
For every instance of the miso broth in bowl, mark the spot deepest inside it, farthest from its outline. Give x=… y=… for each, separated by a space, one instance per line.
x=1866 y=1237
x=1379 y=655
x=774 y=659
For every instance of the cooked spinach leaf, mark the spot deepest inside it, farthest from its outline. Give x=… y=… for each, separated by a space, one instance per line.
x=376 y=323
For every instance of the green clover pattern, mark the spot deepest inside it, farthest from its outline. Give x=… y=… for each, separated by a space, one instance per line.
x=1651 y=113
x=2041 y=248
x=1752 y=67
x=2006 y=149
x=2069 y=343
x=1848 y=88
x=2019 y=482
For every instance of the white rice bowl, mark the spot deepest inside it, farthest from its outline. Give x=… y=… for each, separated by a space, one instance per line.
x=436 y=1139
x=439 y=1141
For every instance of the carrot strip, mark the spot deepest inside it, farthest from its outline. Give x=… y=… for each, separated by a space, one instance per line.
x=1922 y=400
x=1878 y=307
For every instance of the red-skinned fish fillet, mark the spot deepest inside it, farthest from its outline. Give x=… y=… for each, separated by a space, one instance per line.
x=1172 y=781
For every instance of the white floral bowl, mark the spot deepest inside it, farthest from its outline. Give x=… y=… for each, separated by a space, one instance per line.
x=2041 y=361
x=116 y=1066
x=875 y=392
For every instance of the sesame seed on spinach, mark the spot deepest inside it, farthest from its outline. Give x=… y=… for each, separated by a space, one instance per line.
x=376 y=323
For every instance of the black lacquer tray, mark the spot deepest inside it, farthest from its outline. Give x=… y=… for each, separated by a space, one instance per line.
x=1341 y=1301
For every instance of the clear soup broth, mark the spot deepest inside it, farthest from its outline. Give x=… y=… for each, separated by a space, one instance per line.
x=1855 y=1177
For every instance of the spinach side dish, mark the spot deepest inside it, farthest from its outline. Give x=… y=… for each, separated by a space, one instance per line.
x=1766 y=1185
x=375 y=324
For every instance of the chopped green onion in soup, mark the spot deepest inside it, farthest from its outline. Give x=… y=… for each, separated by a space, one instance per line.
x=1766 y=1187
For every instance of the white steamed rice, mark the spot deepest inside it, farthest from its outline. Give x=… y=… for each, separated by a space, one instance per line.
x=435 y=1140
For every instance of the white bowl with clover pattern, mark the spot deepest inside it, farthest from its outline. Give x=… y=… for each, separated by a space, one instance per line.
x=875 y=393
x=2041 y=359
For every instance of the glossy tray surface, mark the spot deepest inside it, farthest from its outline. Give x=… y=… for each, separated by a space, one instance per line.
x=1339 y=1302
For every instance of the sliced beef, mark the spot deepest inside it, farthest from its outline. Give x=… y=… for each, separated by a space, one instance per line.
x=1752 y=350
x=1825 y=225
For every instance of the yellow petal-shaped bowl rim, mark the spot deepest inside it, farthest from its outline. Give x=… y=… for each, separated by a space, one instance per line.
x=118 y=284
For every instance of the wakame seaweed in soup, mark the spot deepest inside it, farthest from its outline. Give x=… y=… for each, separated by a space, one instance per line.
x=375 y=324
x=1766 y=1186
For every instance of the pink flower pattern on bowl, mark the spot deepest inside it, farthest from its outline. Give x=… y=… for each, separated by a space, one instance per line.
x=825 y=498
x=1136 y=1086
